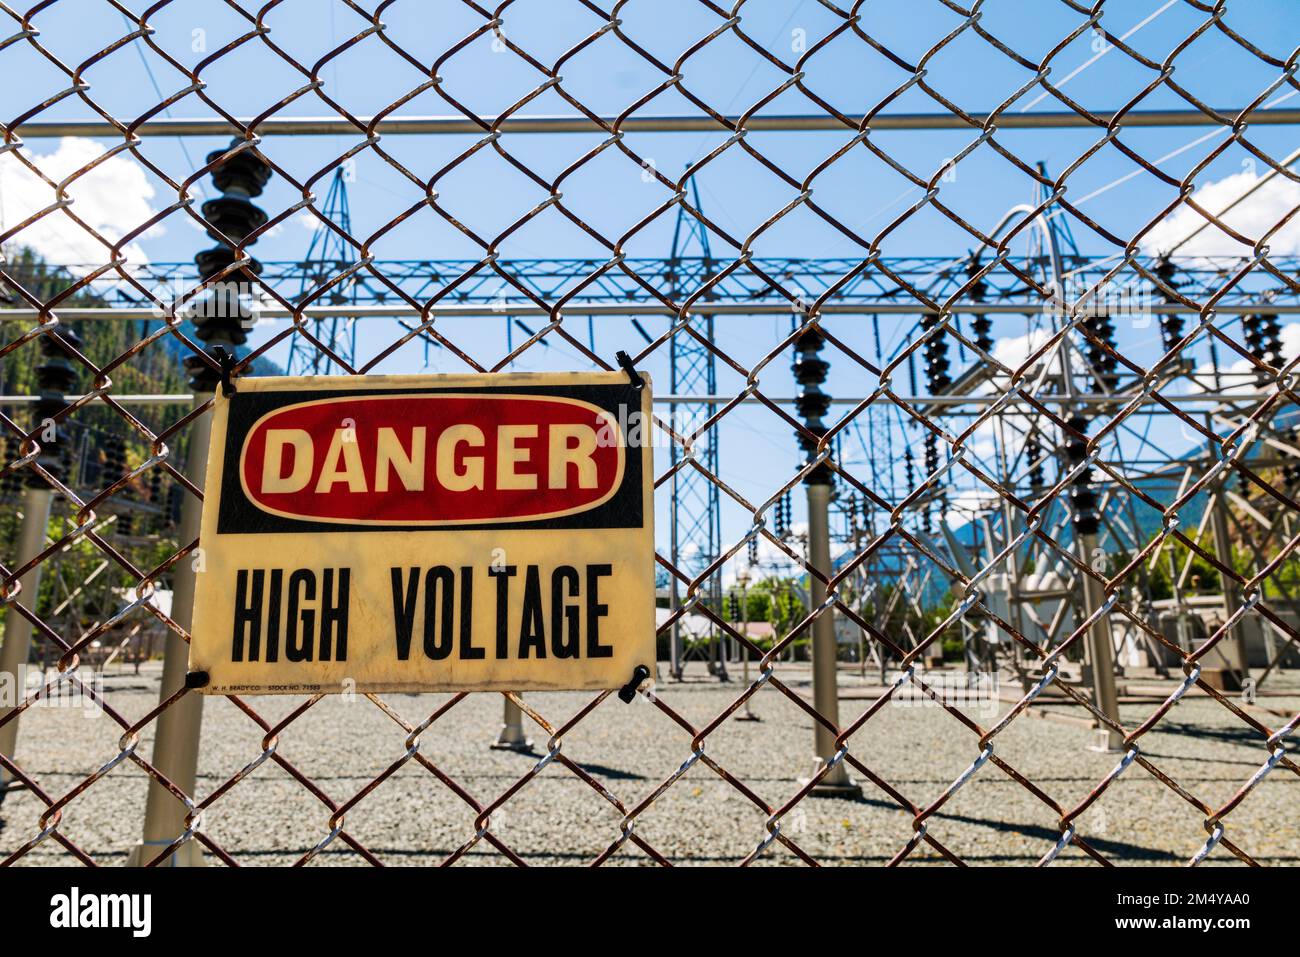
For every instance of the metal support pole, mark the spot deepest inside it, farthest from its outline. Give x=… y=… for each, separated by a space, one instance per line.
x=240 y=175
x=1228 y=584
x=512 y=736
x=54 y=377
x=1231 y=597
x=176 y=742
x=810 y=373
x=825 y=692
x=746 y=714
x=718 y=640
x=675 y=661
x=1101 y=652
x=18 y=630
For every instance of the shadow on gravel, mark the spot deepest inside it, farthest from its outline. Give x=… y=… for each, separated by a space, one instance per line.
x=1242 y=735
x=601 y=771
x=1117 y=849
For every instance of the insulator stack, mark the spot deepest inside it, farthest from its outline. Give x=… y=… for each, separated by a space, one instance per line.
x=55 y=378
x=1034 y=456
x=11 y=484
x=1291 y=472
x=981 y=325
x=1101 y=352
x=753 y=551
x=1171 y=324
x=1253 y=334
x=158 y=498
x=1262 y=334
x=909 y=470
x=783 y=516
x=1171 y=330
x=1273 y=337
x=810 y=372
x=223 y=318
x=931 y=465
x=1083 y=500
x=931 y=453
x=936 y=356
x=115 y=465
x=175 y=499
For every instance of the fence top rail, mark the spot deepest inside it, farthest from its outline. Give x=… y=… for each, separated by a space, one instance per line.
x=580 y=308
x=1243 y=394
x=427 y=125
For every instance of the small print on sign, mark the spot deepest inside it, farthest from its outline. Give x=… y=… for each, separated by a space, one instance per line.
x=427 y=533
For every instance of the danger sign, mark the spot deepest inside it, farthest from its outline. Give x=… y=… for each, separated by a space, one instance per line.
x=424 y=533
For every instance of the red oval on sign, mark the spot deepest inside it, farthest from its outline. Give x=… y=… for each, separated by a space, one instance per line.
x=432 y=459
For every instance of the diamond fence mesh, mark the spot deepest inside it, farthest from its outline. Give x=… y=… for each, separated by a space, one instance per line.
x=1061 y=456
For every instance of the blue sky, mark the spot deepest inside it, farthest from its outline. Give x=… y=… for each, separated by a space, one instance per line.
x=610 y=193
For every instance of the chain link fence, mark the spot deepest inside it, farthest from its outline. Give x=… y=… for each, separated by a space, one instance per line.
x=1060 y=455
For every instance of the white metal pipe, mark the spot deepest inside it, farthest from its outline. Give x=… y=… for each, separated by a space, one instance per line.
x=512 y=736
x=432 y=125
x=601 y=309
x=176 y=740
x=825 y=668
x=18 y=630
x=1101 y=651
x=1183 y=399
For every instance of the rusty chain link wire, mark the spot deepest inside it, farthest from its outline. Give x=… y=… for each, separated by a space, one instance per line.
x=1037 y=398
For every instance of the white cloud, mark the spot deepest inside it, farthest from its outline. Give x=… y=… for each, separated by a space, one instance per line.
x=1252 y=217
x=113 y=198
x=1012 y=351
x=1290 y=336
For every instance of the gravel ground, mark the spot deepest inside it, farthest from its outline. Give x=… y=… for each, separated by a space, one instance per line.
x=413 y=818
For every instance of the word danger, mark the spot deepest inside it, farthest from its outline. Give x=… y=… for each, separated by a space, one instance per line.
x=432 y=459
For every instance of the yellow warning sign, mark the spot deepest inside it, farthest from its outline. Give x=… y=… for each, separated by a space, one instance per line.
x=426 y=533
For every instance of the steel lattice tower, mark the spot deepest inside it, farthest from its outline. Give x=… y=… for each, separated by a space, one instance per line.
x=696 y=527
x=328 y=255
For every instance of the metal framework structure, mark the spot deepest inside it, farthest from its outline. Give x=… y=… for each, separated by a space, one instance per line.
x=640 y=286
x=328 y=255
x=695 y=524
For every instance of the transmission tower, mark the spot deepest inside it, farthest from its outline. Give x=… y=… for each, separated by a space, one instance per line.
x=695 y=521
x=328 y=255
